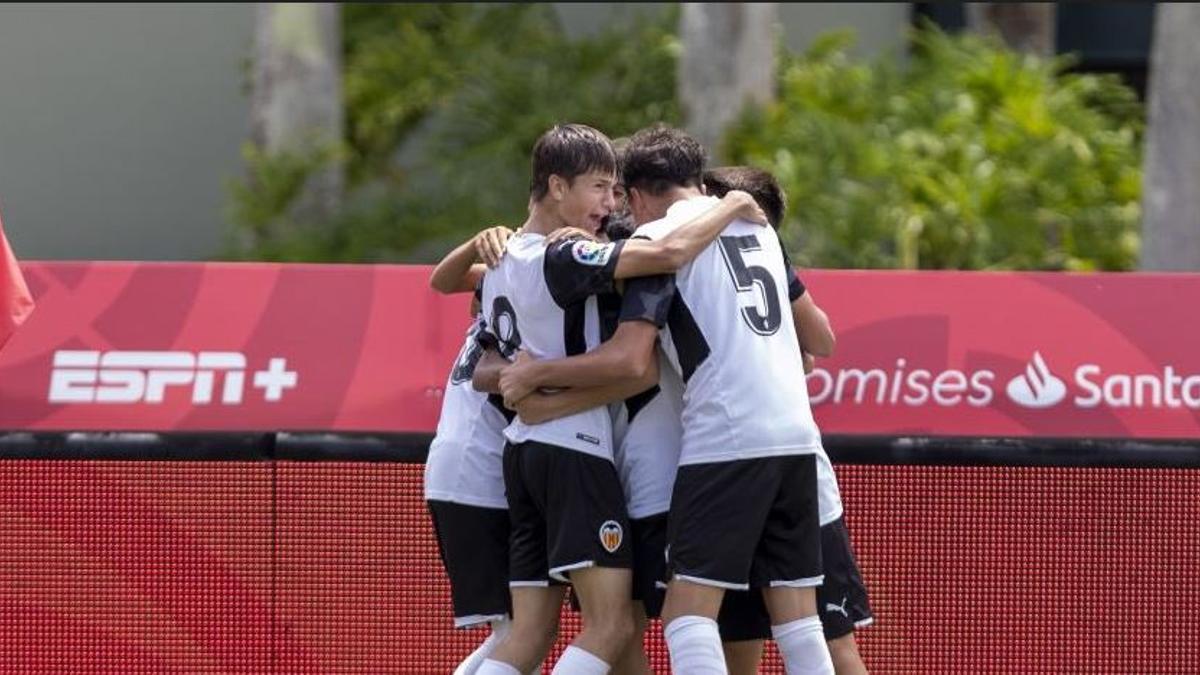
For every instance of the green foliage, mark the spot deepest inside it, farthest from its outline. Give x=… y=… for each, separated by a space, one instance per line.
x=967 y=156
x=970 y=156
x=444 y=103
x=275 y=184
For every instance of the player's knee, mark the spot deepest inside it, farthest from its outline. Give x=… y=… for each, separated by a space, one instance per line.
x=533 y=637
x=639 y=619
x=743 y=657
x=844 y=644
x=546 y=638
x=616 y=628
x=623 y=628
x=844 y=653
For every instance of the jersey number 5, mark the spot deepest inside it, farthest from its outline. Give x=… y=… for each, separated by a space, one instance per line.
x=753 y=279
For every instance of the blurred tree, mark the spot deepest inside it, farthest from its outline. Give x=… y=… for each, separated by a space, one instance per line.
x=1025 y=26
x=1171 y=227
x=727 y=60
x=296 y=115
x=972 y=156
x=444 y=103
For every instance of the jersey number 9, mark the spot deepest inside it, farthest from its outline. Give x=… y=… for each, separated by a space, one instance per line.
x=504 y=326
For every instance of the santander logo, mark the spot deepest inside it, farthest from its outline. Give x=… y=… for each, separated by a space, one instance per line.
x=1089 y=385
x=1037 y=387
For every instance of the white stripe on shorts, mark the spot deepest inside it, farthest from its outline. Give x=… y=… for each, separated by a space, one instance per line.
x=712 y=582
x=807 y=582
x=477 y=620
x=557 y=572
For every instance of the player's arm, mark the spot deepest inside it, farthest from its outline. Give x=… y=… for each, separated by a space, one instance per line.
x=812 y=324
x=643 y=257
x=576 y=268
x=486 y=377
x=540 y=407
x=461 y=270
x=627 y=355
x=812 y=327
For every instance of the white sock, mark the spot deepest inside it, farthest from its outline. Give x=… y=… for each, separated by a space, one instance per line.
x=802 y=645
x=576 y=661
x=694 y=644
x=493 y=667
x=476 y=658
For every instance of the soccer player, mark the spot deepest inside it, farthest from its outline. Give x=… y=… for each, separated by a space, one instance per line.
x=842 y=598
x=744 y=506
x=464 y=485
x=646 y=434
x=566 y=506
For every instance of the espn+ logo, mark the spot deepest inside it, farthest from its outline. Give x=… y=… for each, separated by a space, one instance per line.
x=1038 y=386
x=145 y=376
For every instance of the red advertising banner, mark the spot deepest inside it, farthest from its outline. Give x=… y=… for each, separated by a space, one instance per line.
x=330 y=567
x=246 y=347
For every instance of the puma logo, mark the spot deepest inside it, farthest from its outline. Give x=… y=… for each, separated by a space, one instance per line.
x=830 y=607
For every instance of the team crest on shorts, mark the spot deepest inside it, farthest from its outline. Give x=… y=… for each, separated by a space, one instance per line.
x=611 y=535
x=590 y=253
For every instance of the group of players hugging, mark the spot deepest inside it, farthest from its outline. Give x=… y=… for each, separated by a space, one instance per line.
x=629 y=418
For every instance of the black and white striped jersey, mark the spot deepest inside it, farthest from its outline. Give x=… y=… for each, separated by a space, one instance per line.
x=543 y=299
x=726 y=327
x=648 y=430
x=464 y=463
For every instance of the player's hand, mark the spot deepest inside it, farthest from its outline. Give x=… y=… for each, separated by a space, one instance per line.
x=568 y=233
x=532 y=410
x=516 y=380
x=747 y=208
x=490 y=244
x=810 y=362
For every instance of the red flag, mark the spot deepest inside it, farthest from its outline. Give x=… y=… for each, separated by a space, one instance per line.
x=15 y=301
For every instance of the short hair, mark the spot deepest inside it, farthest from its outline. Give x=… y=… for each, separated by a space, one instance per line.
x=760 y=184
x=619 y=144
x=659 y=158
x=567 y=151
x=618 y=225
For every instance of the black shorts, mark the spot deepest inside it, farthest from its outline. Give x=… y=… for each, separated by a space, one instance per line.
x=650 y=562
x=841 y=601
x=749 y=523
x=473 y=544
x=567 y=512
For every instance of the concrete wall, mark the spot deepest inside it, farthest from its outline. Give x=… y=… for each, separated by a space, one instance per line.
x=118 y=126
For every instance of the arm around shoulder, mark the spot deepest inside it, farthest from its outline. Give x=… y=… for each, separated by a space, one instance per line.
x=812 y=327
x=643 y=257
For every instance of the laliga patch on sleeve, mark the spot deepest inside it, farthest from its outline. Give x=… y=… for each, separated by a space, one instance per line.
x=591 y=253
